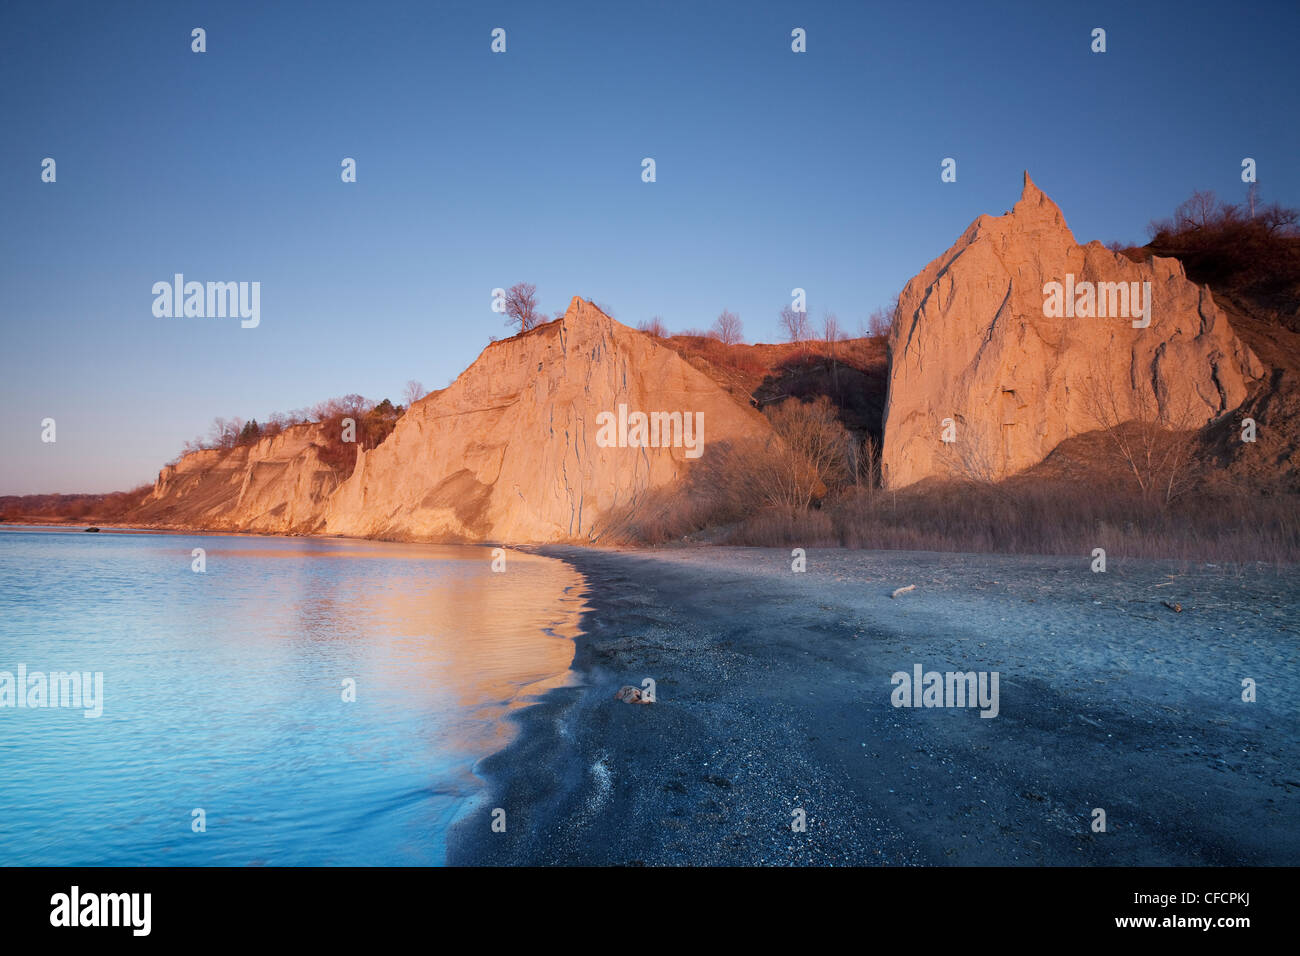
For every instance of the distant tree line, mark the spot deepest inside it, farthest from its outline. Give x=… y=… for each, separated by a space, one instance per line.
x=99 y=507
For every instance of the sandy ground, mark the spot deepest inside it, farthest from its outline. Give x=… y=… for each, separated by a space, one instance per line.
x=774 y=695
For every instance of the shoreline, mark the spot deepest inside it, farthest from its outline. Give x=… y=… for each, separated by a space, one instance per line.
x=774 y=695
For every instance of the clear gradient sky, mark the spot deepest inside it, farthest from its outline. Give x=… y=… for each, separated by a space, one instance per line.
x=477 y=170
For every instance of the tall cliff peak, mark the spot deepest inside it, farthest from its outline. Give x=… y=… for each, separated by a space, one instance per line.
x=512 y=451
x=1035 y=206
x=582 y=310
x=981 y=345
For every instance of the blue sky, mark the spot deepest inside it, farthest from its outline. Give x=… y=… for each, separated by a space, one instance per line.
x=477 y=170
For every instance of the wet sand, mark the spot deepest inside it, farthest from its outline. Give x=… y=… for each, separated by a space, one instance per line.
x=774 y=696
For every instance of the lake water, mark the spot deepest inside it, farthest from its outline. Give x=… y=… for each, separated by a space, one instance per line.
x=224 y=691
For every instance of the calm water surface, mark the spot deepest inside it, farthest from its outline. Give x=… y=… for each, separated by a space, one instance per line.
x=224 y=691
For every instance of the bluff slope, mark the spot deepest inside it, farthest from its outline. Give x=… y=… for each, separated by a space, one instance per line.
x=277 y=485
x=971 y=343
x=508 y=452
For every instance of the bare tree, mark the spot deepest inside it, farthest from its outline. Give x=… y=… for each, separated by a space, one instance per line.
x=352 y=405
x=217 y=433
x=413 y=392
x=795 y=325
x=811 y=457
x=1198 y=212
x=974 y=456
x=1153 y=439
x=1279 y=220
x=277 y=423
x=655 y=327
x=832 y=332
x=521 y=306
x=727 y=329
x=881 y=320
x=224 y=433
x=864 y=464
x=832 y=335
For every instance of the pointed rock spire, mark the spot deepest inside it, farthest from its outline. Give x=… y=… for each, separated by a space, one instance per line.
x=1034 y=203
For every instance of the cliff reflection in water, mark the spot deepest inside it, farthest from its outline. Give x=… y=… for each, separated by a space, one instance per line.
x=225 y=691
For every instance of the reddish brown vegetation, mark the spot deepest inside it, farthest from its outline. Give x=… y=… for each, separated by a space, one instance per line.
x=1247 y=256
x=115 y=506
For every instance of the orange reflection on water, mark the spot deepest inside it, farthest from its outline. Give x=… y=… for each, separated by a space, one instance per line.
x=429 y=621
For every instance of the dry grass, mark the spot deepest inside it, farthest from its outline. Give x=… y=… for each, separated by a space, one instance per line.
x=1030 y=514
x=1033 y=517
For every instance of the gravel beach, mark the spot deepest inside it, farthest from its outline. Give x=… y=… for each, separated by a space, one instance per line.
x=1119 y=691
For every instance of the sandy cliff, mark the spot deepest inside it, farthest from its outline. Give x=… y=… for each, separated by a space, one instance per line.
x=975 y=341
x=509 y=452
x=275 y=485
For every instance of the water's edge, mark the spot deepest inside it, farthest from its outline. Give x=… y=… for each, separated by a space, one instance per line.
x=556 y=606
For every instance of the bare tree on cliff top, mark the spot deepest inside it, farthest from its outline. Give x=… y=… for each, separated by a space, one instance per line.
x=521 y=306
x=655 y=327
x=413 y=392
x=832 y=335
x=880 y=321
x=795 y=326
x=727 y=329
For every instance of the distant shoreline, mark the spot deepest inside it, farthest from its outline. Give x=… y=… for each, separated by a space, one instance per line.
x=80 y=527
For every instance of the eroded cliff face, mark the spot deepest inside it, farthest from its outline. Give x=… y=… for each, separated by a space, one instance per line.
x=978 y=341
x=509 y=452
x=275 y=485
